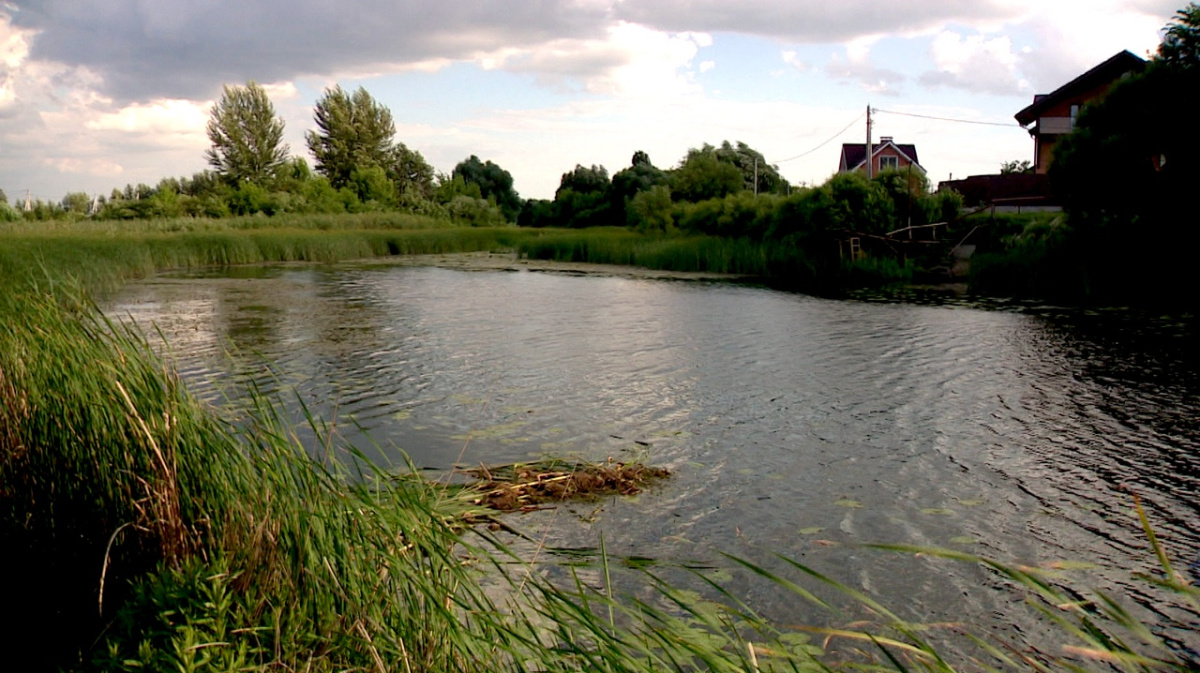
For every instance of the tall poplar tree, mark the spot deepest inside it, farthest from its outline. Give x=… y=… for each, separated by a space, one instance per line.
x=353 y=131
x=246 y=135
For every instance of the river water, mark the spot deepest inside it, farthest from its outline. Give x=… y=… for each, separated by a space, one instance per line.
x=793 y=424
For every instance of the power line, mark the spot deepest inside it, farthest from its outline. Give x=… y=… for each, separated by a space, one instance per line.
x=949 y=119
x=834 y=137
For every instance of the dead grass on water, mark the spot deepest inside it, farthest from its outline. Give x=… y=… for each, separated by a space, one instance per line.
x=528 y=486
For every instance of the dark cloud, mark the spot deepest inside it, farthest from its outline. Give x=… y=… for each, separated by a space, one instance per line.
x=187 y=48
x=807 y=21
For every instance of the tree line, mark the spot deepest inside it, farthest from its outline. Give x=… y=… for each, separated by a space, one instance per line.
x=359 y=166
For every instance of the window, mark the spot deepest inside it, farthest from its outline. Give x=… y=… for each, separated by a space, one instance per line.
x=889 y=162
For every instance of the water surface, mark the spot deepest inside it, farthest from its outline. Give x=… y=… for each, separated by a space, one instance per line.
x=793 y=424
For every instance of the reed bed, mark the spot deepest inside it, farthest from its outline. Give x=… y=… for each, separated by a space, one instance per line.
x=143 y=530
x=668 y=253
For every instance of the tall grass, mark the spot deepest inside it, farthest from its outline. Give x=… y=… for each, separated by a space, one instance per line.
x=105 y=259
x=191 y=542
x=692 y=253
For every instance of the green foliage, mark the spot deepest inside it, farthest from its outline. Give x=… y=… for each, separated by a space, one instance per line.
x=582 y=198
x=246 y=136
x=537 y=213
x=249 y=198
x=753 y=167
x=372 y=186
x=650 y=210
x=859 y=204
x=475 y=212
x=8 y=213
x=1016 y=166
x=703 y=175
x=1181 y=42
x=353 y=131
x=736 y=215
x=410 y=172
x=77 y=203
x=628 y=183
x=493 y=182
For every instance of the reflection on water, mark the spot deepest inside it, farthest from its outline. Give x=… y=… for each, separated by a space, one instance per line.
x=794 y=424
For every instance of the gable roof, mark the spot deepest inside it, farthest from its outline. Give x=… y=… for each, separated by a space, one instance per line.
x=1108 y=71
x=855 y=154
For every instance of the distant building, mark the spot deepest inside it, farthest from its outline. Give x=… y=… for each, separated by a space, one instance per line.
x=1052 y=115
x=886 y=154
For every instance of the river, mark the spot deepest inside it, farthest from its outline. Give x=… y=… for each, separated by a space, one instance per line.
x=793 y=424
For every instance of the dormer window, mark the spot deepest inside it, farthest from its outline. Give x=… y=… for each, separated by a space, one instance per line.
x=889 y=162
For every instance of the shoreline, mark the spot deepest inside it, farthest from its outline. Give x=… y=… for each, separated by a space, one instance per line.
x=509 y=261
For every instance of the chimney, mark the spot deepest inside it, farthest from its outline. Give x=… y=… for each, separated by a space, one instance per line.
x=885 y=139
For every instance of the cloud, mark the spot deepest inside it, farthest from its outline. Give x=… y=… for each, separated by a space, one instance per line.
x=809 y=22
x=629 y=60
x=1068 y=40
x=793 y=59
x=164 y=117
x=975 y=63
x=146 y=49
x=856 y=66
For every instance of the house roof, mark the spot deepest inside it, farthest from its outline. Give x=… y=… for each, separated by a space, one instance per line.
x=855 y=154
x=1108 y=71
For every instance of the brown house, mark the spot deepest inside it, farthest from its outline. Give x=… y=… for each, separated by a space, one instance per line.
x=885 y=155
x=1052 y=115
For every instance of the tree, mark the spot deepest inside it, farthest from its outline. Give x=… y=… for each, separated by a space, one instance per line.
x=753 y=167
x=1015 y=167
x=353 y=131
x=703 y=175
x=411 y=173
x=628 y=183
x=494 y=183
x=246 y=135
x=1181 y=42
x=582 y=198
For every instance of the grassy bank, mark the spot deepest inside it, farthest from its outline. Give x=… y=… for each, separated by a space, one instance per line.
x=777 y=261
x=143 y=531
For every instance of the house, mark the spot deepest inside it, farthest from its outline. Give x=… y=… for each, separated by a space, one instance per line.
x=1052 y=115
x=886 y=154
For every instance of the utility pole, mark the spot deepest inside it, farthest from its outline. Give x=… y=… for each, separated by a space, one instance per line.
x=870 y=172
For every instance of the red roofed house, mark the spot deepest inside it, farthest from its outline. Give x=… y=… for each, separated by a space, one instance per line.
x=886 y=154
x=1052 y=115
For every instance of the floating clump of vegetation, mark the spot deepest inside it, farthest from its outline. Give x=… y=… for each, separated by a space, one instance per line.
x=525 y=486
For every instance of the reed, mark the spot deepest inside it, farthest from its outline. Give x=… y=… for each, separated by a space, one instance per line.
x=669 y=253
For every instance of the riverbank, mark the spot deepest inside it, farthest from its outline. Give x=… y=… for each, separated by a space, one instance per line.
x=513 y=261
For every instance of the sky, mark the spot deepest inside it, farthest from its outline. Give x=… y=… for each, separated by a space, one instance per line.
x=97 y=94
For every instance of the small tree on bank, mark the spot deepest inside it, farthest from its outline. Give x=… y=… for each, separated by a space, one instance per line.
x=246 y=135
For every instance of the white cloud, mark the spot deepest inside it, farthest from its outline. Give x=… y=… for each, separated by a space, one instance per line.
x=173 y=117
x=976 y=63
x=793 y=59
x=855 y=65
x=630 y=60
